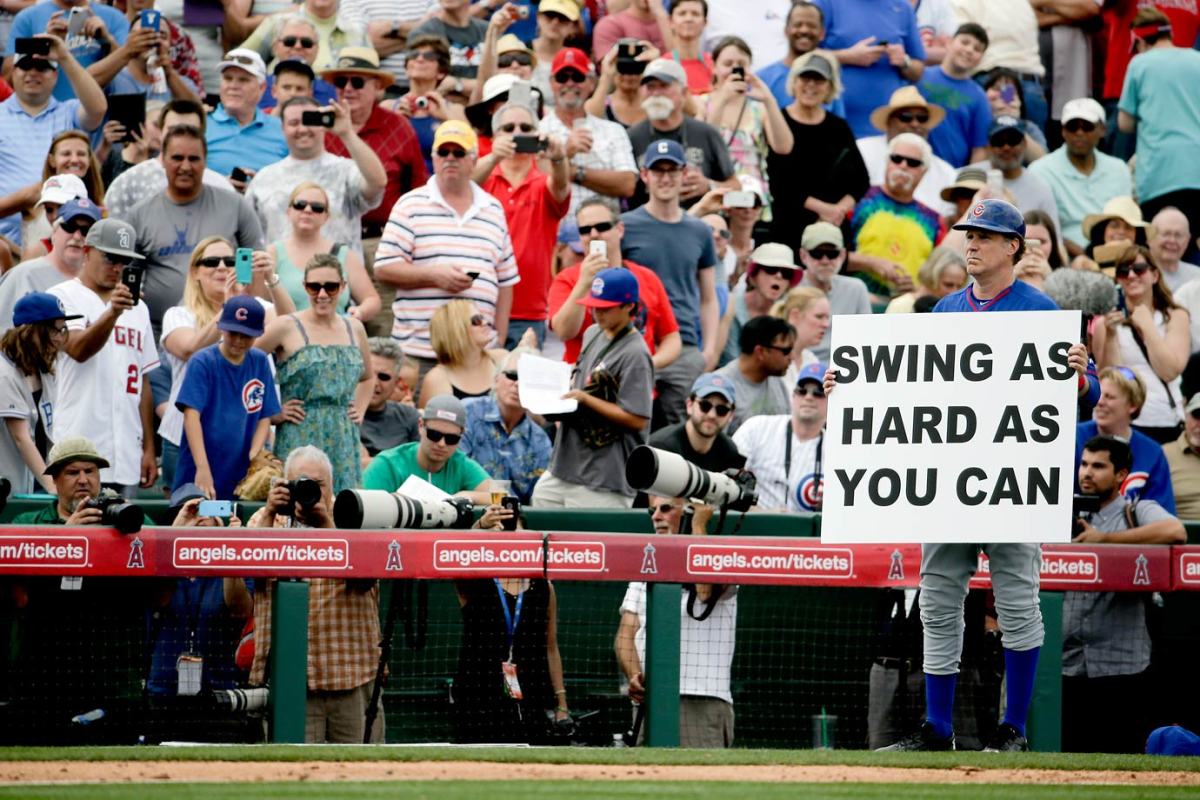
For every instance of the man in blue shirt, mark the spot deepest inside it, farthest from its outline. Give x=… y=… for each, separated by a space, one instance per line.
x=502 y=438
x=32 y=117
x=239 y=133
x=53 y=17
x=962 y=137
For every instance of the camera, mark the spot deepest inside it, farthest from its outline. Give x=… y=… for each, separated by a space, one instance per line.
x=530 y=144
x=1082 y=507
x=242 y=699
x=322 y=119
x=422 y=102
x=628 y=51
x=374 y=508
x=116 y=511
x=660 y=472
x=304 y=493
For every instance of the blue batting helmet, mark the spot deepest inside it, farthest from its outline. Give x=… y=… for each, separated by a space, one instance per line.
x=994 y=215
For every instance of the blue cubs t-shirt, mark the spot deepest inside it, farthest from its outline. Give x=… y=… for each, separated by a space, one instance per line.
x=1149 y=476
x=231 y=399
x=1018 y=297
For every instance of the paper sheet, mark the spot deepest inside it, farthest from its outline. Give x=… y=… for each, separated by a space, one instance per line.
x=541 y=383
x=421 y=489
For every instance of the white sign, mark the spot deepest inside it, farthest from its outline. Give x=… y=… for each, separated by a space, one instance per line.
x=951 y=428
x=541 y=383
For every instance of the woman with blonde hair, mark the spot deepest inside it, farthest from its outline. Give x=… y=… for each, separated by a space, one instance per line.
x=307 y=212
x=460 y=336
x=943 y=273
x=806 y=309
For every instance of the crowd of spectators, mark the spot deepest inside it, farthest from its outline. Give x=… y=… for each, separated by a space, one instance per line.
x=344 y=223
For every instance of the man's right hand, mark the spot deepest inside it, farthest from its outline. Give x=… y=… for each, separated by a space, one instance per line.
x=863 y=53
x=56 y=27
x=121 y=299
x=591 y=267
x=141 y=41
x=279 y=499
x=580 y=141
x=452 y=279
x=85 y=516
x=637 y=690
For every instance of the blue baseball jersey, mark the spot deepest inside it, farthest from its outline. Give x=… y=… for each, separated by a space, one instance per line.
x=1149 y=477
x=1018 y=297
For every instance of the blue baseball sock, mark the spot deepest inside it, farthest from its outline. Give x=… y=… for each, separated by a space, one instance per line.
x=939 y=702
x=1020 y=668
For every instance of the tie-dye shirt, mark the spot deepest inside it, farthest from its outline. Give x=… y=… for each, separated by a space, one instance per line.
x=903 y=233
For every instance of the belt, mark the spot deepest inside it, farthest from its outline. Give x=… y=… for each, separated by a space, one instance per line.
x=894 y=663
x=371 y=230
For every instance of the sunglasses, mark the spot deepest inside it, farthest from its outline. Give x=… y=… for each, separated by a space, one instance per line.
x=779 y=348
x=724 y=234
x=383 y=377
x=448 y=152
x=479 y=321
x=569 y=76
x=707 y=406
x=511 y=374
x=330 y=288
x=239 y=59
x=71 y=226
x=57 y=330
x=824 y=254
x=357 y=81
x=912 y=163
x=1126 y=373
x=554 y=16
x=1077 y=125
x=520 y=59
x=302 y=205
x=1007 y=139
x=212 y=262
x=662 y=508
x=782 y=272
x=437 y=436
x=511 y=127
x=1139 y=268
x=117 y=261
x=599 y=227
x=303 y=41
x=809 y=391
x=422 y=55
x=909 y=117
x=36 y=65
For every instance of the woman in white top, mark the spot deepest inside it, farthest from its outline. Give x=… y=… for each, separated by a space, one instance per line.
x=192 y=325
x=1152 y=338
x=806 y=308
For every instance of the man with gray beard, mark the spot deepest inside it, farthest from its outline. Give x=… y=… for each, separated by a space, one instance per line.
x=664 y=86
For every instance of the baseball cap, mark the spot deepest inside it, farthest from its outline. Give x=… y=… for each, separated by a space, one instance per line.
x=39 y=307
x=61 y=188
x=667 y=70
x=568 y=8
x=242 y=314
x=296 y=65
x=820 y=233
x=998 y=216
x=1003 y=124
x=455 y=131
x=714 y=383
x=570 y=58
x=611 y=287
x=70 y=450
x=79 y=207
x=750 y=183
x=27 y=61
x=773 y=255
x=1193 y=404
x=813 y=372
x=814 y=65
x=188 y=491
x=664 y=150
x=113 y=236
x=446 y=408
x=1084 y=108
x=245 y=59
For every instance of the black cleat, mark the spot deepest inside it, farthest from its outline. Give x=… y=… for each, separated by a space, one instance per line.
x=924 y=738
x=1007 y=739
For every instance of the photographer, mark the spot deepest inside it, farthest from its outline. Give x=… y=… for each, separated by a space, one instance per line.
x=343 y=615
x=1106 y=643
x=708 y=625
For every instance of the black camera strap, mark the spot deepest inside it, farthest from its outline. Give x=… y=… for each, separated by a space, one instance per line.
x=787 y=459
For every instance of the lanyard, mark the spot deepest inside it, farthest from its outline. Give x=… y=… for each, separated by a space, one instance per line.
x=787 y=459
x=511 y=619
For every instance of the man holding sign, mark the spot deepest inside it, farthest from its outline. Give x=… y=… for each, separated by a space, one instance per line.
x=995 y=241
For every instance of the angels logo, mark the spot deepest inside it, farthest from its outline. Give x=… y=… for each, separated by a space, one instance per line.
x=393 y=559
x=1141 y=571
x=896 y=570
x=252 y=395
x=809 y=492
x=649 y=563
x=136 y=559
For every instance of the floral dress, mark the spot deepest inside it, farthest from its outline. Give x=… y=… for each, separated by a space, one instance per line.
x=325 y=377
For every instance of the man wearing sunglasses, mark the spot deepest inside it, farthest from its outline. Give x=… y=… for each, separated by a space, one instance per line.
x=32 y=117
x=103 y=391
x=1081 y=177
x=435 y=457
x=907 y=111
x=701 y=438
x=1006 y=152
x=62 y=263
x=823 y=252
x=386 y=423
x=455 y=23
x=765 y=353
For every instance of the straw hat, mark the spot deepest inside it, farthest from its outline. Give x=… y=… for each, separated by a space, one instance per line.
x=1124 y=209
x=907 y=97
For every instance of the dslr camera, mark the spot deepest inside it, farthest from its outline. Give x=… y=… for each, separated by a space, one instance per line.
x=116 y=511
x=1082 y=508
x=356 y=509
x=667 y=474
x=304 y=493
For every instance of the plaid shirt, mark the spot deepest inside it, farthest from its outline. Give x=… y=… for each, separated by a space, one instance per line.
x=183 y=55
x=343 y=629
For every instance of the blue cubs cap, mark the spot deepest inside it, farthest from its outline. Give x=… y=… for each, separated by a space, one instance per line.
x=242 y=314
x=712 y=383
x=79 y=207
x=614 y=286
x=39 y=307
x=813 y=372
x=998 y=216
x=664 y=150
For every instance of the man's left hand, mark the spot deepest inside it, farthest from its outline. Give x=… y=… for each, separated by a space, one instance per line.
x=149 y=468
x=1089 y=534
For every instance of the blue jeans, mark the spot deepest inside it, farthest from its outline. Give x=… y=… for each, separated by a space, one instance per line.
x=170 y=458
x=1037 y=110
x=517 y=328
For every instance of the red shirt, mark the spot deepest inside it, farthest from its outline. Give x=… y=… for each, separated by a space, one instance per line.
x=654 y=317
x=5 y=90
x=533 y=214
x=699 y=72
x=1185 y=23
x=393 y=139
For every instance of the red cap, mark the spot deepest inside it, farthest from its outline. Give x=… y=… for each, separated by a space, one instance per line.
x=571 y=58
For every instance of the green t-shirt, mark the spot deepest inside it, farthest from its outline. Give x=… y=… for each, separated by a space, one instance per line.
x=47 y=516
x=392 y=467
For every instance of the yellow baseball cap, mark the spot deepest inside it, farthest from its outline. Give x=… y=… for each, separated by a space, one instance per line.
x=455 y=131
x=567 y=8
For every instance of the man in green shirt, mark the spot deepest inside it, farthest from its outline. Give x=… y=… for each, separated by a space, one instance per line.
x=434 y=457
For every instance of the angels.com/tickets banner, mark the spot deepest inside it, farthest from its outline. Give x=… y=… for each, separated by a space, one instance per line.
x=951 y=428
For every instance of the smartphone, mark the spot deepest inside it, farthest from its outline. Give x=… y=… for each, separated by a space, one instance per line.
x=243 y=264
x=151 y=18
x=32 y=46
x=530 y=144
x=131 y=276
x=995 y=180
x=238 y=174
x=76 y=20
x=513 y=505
x=1008 y=93
x=598 y=247
x=212 y=99
x=473 y=276
x=215 y=508
x=321 y=119
x=129 y=110
x=739 y=73
x=1121 y=306
x=738 y=199
x=521 y=94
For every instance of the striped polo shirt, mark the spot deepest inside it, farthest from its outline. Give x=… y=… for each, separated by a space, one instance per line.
x=424 y=230
x=24 y=142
